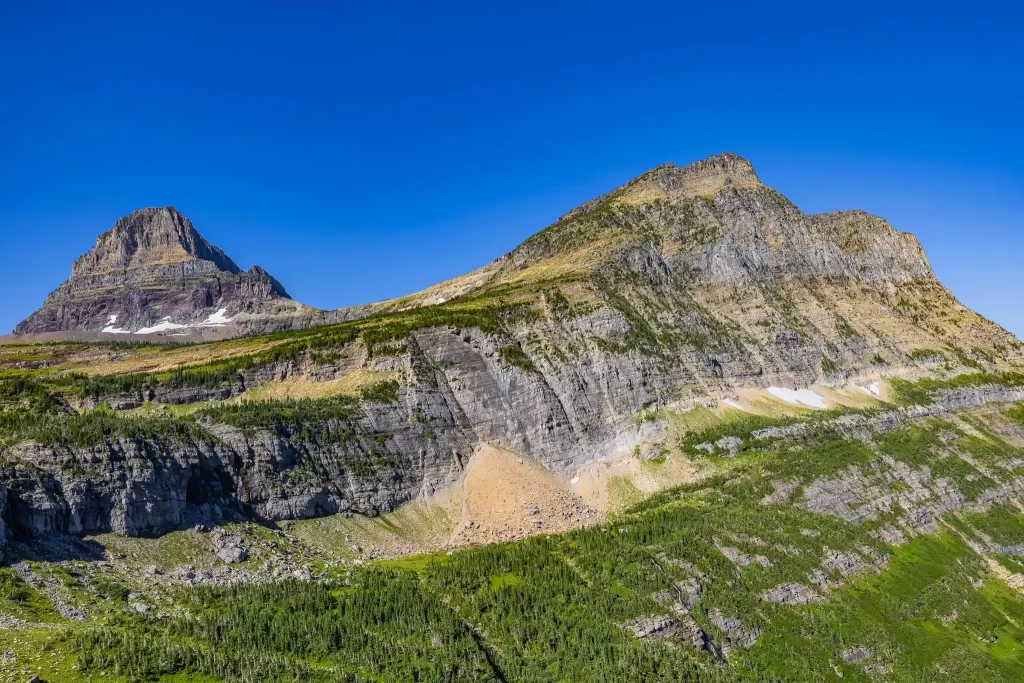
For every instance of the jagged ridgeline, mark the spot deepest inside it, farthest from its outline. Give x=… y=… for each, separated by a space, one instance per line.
x=846 y=435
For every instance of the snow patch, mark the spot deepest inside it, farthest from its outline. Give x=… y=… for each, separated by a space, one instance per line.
x=162 y=326
x=218 y=319
x=875 y=389
x=110 y=329
x=574 y=481
x=441 y=300
x=804 y=397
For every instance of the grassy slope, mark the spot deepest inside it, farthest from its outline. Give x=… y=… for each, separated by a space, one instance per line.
x=548 y=608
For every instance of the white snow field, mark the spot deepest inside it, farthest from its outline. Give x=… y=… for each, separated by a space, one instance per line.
x=799 y=397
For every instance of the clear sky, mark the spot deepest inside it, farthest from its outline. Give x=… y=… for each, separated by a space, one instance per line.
x=360 y=151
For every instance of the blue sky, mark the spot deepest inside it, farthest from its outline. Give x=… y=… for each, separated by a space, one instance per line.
x=361 y=152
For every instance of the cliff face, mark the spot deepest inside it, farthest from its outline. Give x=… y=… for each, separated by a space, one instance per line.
x=456 y=393
x=153 y=267
x=146 y=487
x=677 y=289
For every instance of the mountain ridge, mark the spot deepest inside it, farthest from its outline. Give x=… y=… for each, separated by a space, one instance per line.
x=713 y=218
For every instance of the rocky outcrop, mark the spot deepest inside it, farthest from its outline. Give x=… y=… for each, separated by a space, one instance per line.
x=862 y=427
x=791 y=594
x=655 y=626
x=738 y=557
x=716 y=222
x=737 y=635
x=153 y=267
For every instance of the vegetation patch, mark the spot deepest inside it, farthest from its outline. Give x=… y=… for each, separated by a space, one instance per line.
x=382 y=392
x=924 y=391
x=91 y=428
x=514 y=356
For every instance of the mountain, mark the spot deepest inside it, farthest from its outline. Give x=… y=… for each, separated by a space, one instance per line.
x=153 y=272
x=708 y=264
x=785 y=452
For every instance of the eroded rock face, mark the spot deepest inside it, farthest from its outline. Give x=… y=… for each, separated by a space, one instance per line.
x=150 y=267
x=656 y=626
x=147 y=487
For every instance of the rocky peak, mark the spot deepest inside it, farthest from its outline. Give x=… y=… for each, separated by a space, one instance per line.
x=669 y=182
x=265 y=285
x=154 y=273
x=727 y=164
x=146 y=238
x=714 y=222
x=700 y=178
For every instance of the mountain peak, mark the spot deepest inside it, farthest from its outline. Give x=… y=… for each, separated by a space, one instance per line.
x=726 y=162
x=705 y=176
x=701 y=178
x=148 y=237
x=153 y=270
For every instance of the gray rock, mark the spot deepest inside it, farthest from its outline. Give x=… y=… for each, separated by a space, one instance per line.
x=681 y=597
x=783 y=491
x=707 y=234
x=856 y=654
x=737 y=556
x=651 y=626
x=1013 y=550
x=729 y=444
x=823 y=580
x=737 y=634
x=791 y=594
x=233 y=554
x=854 y=564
